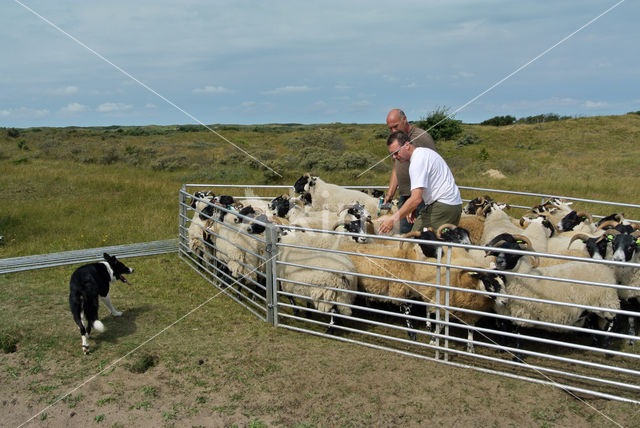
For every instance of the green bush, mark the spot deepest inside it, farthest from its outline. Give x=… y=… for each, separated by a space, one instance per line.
x=325 y=139
x=354 y=160
x=439 y=125
x=541 y=118
x=468 y=140
x=381 y=134
x=169 y=163
x=109 y=157
x=499 y=121
x=13 y=133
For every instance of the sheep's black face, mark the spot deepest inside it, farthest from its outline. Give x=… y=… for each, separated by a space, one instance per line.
x=616 y=217
x=624 y=228
x=492 y=282
x=207 y=212
x=359 y=212
x=226 y=200
x=280 y=206
x=597 y=247
x=300 y=184
x=246 y=211
x=624 y=247
x=569 y=221
x=459 y=235
x=506 y=261
x=429 y=250
x=356 y=226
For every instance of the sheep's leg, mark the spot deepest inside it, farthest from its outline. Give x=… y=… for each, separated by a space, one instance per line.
x=605 y=341
x=332 y=321
x=296 y=312
x=309 y=314
x=406 y=310
x=470 y=347
x=433 y=329
x=632 y=328
x=518 y=356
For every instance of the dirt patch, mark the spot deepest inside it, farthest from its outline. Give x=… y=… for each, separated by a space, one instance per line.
x=285 y=379
x=494 y=173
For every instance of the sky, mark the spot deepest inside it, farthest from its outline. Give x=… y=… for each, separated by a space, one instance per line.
x=90 y=63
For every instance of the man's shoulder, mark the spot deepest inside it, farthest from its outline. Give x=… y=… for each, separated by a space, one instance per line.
x=421 y=138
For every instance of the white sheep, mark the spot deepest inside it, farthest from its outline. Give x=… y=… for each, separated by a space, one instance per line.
x=331 y=196
x=240 y=251
x=198 y=225
x=319 y=287
x=538 y=229
x=605 y=298
x=625 y=247
x=407 y=280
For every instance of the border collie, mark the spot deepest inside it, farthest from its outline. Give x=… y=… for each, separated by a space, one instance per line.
x=86 y=284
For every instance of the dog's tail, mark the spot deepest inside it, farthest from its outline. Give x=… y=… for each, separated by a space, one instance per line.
x=98 y=326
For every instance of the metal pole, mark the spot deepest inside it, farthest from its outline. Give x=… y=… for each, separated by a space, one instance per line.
x=271 y=274
x=182 y=213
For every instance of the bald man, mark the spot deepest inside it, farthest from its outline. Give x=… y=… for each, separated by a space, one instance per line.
x=400 y=181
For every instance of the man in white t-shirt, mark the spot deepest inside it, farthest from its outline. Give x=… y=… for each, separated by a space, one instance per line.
x=431 y=182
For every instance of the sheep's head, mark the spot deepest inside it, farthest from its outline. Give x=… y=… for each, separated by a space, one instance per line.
x=353 y=226
x=505 y=241
x=304 y=183
x=624 y=245
x=452 y=233
x=617 y=217
x=596 y=245
x=574 y=218
x=356 y=209
x=476 y=204
x=280 y=205
x=489 y=282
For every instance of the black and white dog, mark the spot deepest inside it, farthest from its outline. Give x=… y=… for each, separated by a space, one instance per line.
x=86 y=284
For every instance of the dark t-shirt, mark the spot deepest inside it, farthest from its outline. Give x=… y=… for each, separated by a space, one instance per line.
x=419 y=138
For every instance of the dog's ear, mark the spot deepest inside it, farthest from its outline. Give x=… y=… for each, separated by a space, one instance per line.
x=106 y=256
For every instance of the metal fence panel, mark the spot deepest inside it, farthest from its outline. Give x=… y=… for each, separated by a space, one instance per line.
x=424 y=322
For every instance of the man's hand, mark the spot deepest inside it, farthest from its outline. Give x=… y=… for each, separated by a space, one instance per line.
x=386 y=224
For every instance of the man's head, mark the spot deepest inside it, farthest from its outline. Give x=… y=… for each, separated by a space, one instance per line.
x=399 y=146
x=397 y=121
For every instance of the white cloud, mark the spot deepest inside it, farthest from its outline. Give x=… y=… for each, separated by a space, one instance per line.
x=109 y=107
x=287 y=90
x=212 y=90
x=150 y=105
x=23 y=113
x=74 y=108
x=66 y=91
x=342 y=86
x=360 y=106
x=595 y=104
x=411 y=85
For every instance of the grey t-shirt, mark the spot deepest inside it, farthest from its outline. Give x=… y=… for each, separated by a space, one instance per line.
x=402 y=168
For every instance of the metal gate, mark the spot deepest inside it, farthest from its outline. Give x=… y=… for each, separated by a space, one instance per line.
x=259 y=272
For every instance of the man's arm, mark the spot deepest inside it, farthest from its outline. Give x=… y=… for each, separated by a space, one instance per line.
x=393 y=185
x=407 y=208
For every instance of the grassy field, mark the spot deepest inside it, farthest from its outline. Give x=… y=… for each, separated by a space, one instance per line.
x=73 y=188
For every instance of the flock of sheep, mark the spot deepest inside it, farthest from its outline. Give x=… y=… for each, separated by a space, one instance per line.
x=569 y=287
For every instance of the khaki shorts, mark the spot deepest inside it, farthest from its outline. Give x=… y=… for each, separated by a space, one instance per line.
x=437 y=214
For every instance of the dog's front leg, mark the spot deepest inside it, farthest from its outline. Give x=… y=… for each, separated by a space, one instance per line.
x=107 y=302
